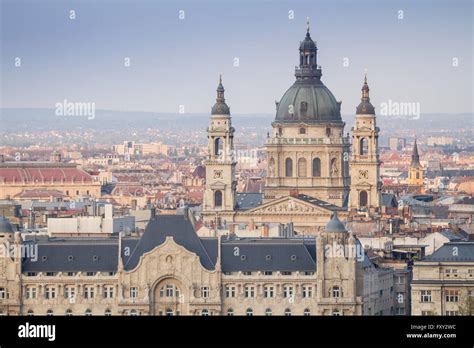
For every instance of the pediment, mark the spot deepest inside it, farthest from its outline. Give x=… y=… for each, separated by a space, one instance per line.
x=288 y=205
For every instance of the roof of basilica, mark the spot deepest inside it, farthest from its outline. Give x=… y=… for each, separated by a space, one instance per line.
x=308 y=100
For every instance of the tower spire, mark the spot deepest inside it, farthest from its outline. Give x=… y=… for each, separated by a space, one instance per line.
x=365 y=107
x=415 y=157
x=307 y=26
x=220 y=107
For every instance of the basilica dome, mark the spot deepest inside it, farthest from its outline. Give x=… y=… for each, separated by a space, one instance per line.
x=310 y=102
x=308 y=99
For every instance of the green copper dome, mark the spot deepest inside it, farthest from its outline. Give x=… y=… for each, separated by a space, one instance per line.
x=308 y=99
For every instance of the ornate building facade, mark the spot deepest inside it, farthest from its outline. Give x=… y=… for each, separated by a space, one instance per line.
x=169 y=270
x=311 y=173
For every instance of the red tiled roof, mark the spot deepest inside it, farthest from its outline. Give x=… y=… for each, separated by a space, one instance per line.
x=39 y=172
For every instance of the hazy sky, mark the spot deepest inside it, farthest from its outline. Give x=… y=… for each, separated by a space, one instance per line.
x=177 y=61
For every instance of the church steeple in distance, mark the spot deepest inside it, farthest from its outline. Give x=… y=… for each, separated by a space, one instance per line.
x=415 y=157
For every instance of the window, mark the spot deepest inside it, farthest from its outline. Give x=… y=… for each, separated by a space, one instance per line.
x=205 y=292
x=50 y=292
x=49 y=313
x=302 y=168
x=308 y=273
x=307 y=291
x=287 y=291
x=364 y=147
x=205 y=313
x=249 y=291
x=316 y=167
x=400 y=280
x=31 y=274
x=108 y=312
x=302 y=129
x=169 y=290
x=471 y=273
x=363 y=198
x=285 y=273
x=50 y=274
x=218 y=146
x=230 y=312
x=336 y=312
x=452 y=295
x=268 y=273
x=246 y=273
x=108 y=292
x=401 y=311
x=268 y=312
x=218 y=198
x=134 y=292
x=328 y=131
x=451 y=272
x=88 y=313
x=287 y=312
x=71 y=274
x=90 y=274
x=69 y=313
x=3 y=294
x=427 y=313
x=30 y=312
x=288 y=167
x=88 y=292
x=169 y=312
x=230 y=291
x=249 y=312
x=425 y=296
x=336 y=292
x=69 y=292
x=307 y=312
x=30 y=292
x=452 y=313
x=268 y=291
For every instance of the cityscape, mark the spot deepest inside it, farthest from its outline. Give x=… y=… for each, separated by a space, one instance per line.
x=348 y=194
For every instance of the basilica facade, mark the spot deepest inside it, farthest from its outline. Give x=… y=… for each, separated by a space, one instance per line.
x=311 y=171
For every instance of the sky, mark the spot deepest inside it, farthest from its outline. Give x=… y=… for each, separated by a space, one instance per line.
x=177 y=61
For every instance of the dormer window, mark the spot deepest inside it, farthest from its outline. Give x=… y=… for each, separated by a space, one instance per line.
x=303 y=107
x=302 y=130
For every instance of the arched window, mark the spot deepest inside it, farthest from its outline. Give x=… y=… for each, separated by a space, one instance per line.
x=268 y=312
x=230 y=312
x=31 y=313
x=287 y=312
x=363 y=198
x=218 y=146
x=302 y=129
x=49 y=313
x=249 y=312
x=307 y=312
x=88 y=313
x=218 y=198
x=316 y=167
x=302 y=168
x=417 y=175
x=169 y=312
x=288 y=167
x=69 y=313
x=205 y=313
x=364 y=147
x=133 y=313
x=108 y=313
x=336 y=312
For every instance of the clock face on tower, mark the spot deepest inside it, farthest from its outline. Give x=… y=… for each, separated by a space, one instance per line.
x=363 y=174
x=218 y=174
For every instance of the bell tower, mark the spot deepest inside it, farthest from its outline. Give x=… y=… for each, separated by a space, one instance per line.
x=219 y=194
x=365 y=193
x=415 y=173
